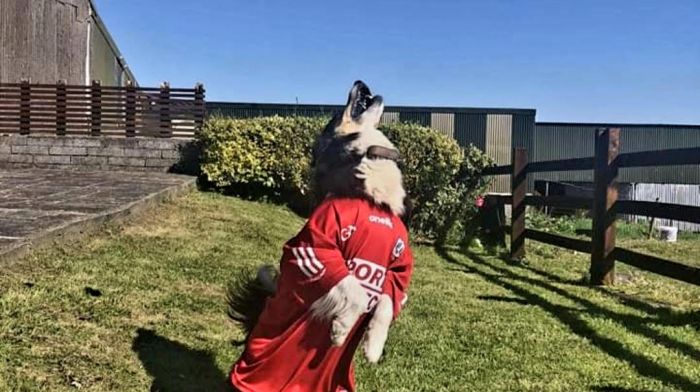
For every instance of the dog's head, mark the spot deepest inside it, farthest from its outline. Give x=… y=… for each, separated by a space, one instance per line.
x=362 y=111
x=353 y=158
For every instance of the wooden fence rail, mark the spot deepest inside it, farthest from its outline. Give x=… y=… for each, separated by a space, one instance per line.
x=96 y=110
x=604 y=205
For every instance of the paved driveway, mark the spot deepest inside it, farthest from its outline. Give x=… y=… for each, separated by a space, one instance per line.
x=37 y=205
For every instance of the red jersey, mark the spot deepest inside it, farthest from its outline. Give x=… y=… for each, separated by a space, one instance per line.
x=289 y=350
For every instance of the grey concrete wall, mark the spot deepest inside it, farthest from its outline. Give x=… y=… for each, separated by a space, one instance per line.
x=98 y=153
x=43 y=40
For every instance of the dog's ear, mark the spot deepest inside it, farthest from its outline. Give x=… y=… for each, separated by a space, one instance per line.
x=363 y=110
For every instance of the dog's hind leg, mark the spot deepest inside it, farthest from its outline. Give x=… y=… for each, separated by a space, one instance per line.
x=378 y=329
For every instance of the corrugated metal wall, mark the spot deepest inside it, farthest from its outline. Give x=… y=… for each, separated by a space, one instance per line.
x=523 y=130
x=563 y=140
x=470 y=128
x=417 y=117
x=635 y=139
x=444 y=123
x=499 y=143
x=523 y=137
x=669 y=193
x=389 y=118
x=466 y=125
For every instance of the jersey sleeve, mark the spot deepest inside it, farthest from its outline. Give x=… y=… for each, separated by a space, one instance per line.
x=314 y=259
x=398 y=278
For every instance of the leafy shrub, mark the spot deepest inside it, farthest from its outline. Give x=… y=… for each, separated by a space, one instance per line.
x=565 y=225
x=264 y=155
x=271 y=156
x=442 y=180
x=430 y=160
x=465 y=189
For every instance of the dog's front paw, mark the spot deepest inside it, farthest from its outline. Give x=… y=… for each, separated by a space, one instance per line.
x=356 y=302
x=378 y=329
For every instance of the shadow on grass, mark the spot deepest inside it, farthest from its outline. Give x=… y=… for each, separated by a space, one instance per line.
x=505 y=277
x=661 y=313
x=176 y=367
x=497 y=298
x=584 y=232
x=606 y=388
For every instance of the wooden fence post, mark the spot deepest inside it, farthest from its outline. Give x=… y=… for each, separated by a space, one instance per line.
x=61 y=108
x=164 y=104
x=96 y=108
x=200 y=109
x=24 y=107
x=518 y=191
x=607 y=147
x=130 y=112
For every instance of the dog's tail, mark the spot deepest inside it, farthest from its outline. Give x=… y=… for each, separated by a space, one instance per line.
x=246 y=295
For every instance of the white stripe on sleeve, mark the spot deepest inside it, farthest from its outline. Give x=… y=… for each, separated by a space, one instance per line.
x=316 y=263
x=301 y=263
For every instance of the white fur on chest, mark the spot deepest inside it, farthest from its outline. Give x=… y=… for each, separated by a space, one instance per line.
x=382 y=177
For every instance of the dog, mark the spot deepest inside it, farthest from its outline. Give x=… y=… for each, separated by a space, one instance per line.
x=343 y=279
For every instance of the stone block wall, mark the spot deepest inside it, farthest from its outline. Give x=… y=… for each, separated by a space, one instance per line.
x=98 y=153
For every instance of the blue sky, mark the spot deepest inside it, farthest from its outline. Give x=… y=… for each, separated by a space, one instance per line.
x=592 y=61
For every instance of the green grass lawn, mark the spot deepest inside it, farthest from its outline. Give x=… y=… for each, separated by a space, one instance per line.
x=142 y=305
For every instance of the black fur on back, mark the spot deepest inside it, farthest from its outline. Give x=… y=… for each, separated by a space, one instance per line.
x=246 y=296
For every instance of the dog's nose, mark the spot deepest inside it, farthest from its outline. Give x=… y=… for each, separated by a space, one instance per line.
x=360 y=84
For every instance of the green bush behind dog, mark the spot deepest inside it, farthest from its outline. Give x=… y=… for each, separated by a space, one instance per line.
x=271 y=157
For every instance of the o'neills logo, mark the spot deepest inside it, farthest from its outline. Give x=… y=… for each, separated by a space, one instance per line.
x=382 y=220
x=371 y=277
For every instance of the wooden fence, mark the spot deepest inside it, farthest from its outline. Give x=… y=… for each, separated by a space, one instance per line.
x=96 y=110
x=604 y=205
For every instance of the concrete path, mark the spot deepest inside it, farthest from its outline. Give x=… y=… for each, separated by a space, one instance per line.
x=37 y=206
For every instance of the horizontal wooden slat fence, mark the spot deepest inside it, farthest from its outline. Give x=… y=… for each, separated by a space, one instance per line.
x=98 y=110
x=604 y=205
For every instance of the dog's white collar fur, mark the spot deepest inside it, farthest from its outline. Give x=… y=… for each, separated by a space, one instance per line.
x=382 y=177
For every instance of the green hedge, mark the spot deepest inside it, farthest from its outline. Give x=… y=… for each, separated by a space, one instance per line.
x=271 y=156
